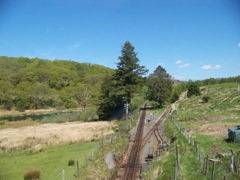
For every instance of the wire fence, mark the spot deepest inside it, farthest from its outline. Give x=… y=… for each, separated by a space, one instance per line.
x=74 y=171
x=207 y=164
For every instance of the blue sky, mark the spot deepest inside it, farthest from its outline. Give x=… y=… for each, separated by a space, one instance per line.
x=191 y=39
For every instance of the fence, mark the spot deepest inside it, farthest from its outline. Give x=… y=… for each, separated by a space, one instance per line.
x=74 y=171
x=203 y=159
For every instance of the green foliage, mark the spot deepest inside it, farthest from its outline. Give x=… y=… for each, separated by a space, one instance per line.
x=71 y=162
x=178 y=89
x=154 y=104
x=205 y=98
x=129 y=73
x=136 y=102
x=159 y=86
x=123 y=84
x=193 y=89
x=35 y=83
x=212 y=81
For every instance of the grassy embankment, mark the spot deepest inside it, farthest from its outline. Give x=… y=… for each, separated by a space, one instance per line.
x=207 y=124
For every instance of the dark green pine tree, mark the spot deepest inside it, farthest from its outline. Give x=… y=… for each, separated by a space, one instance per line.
x=128 y=76
x=159 y=86
x=108 y=101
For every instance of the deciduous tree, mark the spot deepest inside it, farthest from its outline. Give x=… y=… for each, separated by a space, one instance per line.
x=159 y=86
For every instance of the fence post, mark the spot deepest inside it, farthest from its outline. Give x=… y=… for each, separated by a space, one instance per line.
x=177 y=165
x=78 y=170
x=232 y=165
x=63 y=174
x=214 y=161
x=206 y=166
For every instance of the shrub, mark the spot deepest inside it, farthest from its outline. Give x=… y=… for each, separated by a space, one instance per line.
x=32 y=175
x=154 y=104
x=71 y=162
x=193 y=89
x=205 y=99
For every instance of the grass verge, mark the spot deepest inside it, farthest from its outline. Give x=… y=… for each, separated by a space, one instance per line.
x=49 y=162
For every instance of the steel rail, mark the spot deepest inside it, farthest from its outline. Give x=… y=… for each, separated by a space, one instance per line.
x=133 y=160
x=155 y=127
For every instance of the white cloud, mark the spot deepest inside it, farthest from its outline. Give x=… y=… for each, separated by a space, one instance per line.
x=184 y=65
x=178 y=61
x=238 y=44
x=209 y=66
x=176 y=77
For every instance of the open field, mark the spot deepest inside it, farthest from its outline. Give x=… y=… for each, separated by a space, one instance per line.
x=49 y=162
x=38 y=136
x=29 y=145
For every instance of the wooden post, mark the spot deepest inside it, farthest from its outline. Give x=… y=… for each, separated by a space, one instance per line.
x=177 y=158
x=63 y=174
x=214 y=161
x=206 y=166
x=175 y=171
x=232 y=165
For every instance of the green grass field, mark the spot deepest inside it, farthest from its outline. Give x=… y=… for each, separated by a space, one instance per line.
x=51 y=161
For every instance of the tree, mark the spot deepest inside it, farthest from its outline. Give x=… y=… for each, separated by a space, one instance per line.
x=83 y=95
x=129 y=73
x=108 y=101
x=193 y=89
x=159 y=86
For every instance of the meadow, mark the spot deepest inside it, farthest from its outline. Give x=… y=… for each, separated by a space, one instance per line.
x=30 y=145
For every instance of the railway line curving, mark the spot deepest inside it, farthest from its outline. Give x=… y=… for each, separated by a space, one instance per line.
x=131 y=169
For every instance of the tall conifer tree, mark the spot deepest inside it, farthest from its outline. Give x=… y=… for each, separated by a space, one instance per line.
x=129 y=73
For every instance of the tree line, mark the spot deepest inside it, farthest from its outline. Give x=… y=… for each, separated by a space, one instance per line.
x=35 y=83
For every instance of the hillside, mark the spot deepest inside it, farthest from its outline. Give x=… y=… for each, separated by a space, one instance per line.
x=36 y=83
x=200 y=130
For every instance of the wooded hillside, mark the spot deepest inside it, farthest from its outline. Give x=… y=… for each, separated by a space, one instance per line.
x=36 y=83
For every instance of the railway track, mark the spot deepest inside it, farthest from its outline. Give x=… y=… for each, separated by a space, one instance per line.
x=131 y=169
x=133 y=165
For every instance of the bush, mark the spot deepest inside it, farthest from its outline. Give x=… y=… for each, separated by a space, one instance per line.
x=32 y=175
x=154 y=104
x=71 y=162
x=205 y=99
x=193 y=89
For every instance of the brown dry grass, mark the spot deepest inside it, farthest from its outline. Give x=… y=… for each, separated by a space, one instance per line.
x=17 y=124
x=36 y=137
x=214 y=129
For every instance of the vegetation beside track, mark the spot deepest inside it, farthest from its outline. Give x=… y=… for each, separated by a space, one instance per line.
x=207 y=123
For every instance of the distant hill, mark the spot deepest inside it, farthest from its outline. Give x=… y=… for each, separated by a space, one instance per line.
x=36 y=83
